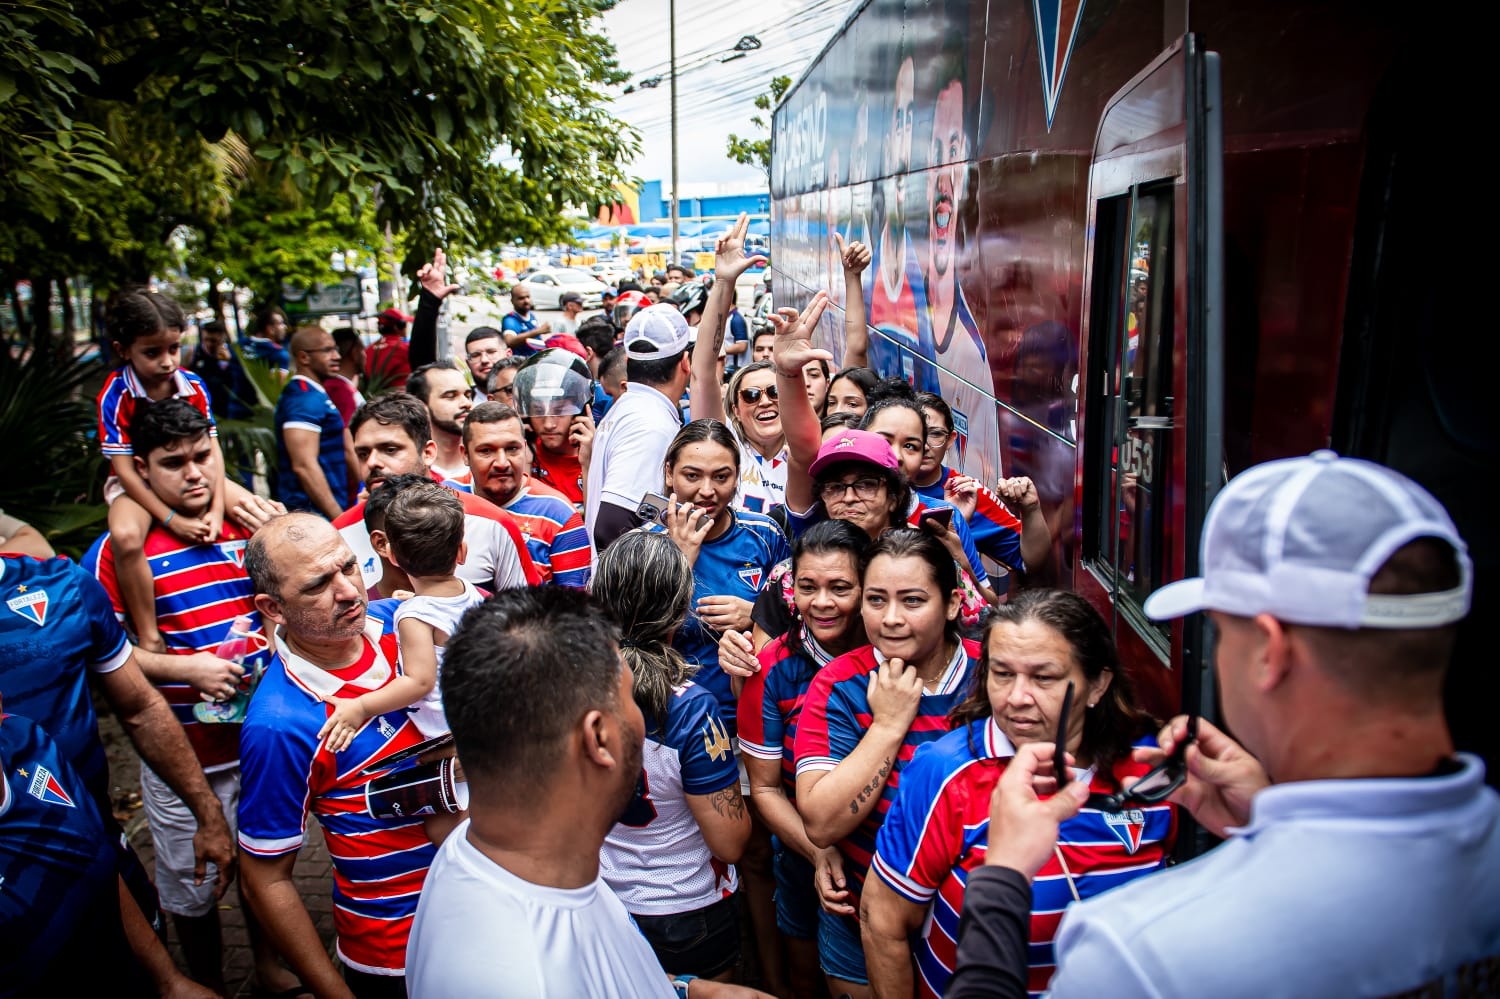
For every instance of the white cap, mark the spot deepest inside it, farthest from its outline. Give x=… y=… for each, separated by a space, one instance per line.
x=1300 y=538
x=660 y=330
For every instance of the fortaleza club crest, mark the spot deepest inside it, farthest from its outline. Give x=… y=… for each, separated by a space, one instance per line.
x=44 y=787
x=32 y=606
x=752 y=575
x=1127 y=827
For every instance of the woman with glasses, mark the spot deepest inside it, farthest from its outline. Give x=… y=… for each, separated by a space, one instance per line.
x=670 y=857
x=827 y=565
x=1036 y=647
x=869 y=710
x=1008 y=525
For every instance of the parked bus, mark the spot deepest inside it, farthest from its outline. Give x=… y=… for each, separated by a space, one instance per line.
x=1141 y=245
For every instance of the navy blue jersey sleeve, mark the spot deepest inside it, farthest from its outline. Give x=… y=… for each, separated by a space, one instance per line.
x=701 y=738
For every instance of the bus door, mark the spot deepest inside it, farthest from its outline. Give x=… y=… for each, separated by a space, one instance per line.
x=1151 y=458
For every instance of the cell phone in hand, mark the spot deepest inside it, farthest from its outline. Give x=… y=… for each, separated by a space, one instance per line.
x=653 y=508
x=942 y=516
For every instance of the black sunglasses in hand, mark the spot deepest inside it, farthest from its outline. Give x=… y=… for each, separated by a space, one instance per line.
x=1159 y=782
x=1059 y=755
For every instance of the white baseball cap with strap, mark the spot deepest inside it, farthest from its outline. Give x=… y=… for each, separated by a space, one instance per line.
x=1300 y=539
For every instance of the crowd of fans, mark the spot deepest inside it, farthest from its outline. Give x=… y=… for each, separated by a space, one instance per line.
x=608 y=646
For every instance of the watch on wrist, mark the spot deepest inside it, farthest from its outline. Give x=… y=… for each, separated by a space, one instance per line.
x=680 y=985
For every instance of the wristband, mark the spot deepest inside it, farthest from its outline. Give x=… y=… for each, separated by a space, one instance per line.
x=170 y=515
x=680 y=985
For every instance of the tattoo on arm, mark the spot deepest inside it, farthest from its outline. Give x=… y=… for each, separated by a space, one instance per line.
x=876 y=783
x=728 y=803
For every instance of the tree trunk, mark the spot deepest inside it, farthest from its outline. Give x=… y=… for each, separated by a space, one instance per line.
x=65 y=290
x=41 y=313
x=239 y=322
x=23 y=325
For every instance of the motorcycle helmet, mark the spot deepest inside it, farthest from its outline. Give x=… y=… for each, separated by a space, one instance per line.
x=553 y=382
x=690 y=298
x=627 y=305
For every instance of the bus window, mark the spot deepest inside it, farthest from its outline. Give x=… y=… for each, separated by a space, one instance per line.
x=1135 y=261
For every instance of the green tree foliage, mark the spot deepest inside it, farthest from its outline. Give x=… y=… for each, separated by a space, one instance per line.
x=48 y=160
x=271 y=235
x=757 y=152
x=476 y=120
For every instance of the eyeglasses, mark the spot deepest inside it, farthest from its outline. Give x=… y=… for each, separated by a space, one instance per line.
x=1160 y=781
x=937 y=435
x=475 y=355
x=751 y=396
x=865 y=489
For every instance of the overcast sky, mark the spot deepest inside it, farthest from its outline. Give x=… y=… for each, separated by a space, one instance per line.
x=713 y=98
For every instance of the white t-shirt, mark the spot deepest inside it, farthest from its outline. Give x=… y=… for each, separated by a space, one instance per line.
x=762 y=479
x=443 y=614
x=630 y=447
x=482 y=931
x=492 y=561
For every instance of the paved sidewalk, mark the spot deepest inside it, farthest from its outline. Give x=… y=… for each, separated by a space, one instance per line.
x=313 y=874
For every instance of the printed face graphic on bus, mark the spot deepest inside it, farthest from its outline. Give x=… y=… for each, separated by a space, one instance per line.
x=945 y=183
x=898 y=138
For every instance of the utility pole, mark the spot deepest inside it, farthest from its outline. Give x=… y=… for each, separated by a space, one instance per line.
x=672 y=32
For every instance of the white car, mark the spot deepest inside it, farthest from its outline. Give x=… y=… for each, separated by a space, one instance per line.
x=548 y=285
x=611 y=274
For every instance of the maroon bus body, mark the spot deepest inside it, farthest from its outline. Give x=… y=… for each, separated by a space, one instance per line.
x=870 y=127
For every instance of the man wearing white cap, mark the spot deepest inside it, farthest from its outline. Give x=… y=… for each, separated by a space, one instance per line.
x=1362 y=853
x=630 y=444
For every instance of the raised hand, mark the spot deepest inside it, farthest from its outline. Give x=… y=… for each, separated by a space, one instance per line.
x=793 y=349
x=895 y=694
x=855 y=257
x=433 y=277
x=963 y=492
x=687 y=526
x=1023 y=827
x=1019 y=494
x=1222 y=777
x=729 y=253
x=737 y=654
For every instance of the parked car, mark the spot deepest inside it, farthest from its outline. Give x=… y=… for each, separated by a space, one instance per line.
x=611 y=273
x=548 y=284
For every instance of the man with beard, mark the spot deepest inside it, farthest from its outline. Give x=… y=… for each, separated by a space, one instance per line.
x=514 y=905
x=898 y=304
x=329 y=646
x=964 y=376
x=441 y=387
x=501 y=461
x=392 y=436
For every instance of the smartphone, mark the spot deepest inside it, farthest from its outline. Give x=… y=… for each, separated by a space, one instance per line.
x=1059 y=755
x=653 y=508
x=943 y=516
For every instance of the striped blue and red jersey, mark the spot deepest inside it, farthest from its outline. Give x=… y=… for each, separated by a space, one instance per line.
x=199 y=590
x=285 y=773
x=56 y=627
x=771 y=703
x=996 y=531
x=836 y=715
x=938 y=830
x=553 y=529
x=123 y=391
